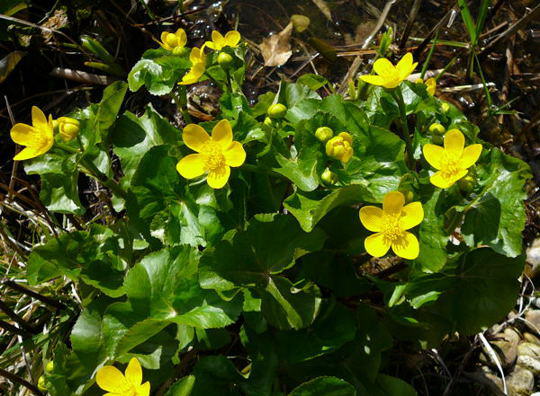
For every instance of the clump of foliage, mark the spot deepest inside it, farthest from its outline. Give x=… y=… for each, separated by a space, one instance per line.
x=235 y=259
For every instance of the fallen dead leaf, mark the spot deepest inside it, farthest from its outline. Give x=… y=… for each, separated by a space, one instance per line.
x=276 y=49
x=324 y=8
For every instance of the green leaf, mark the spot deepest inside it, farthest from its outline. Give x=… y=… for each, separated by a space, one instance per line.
x=268 y=246
x=327 y=386
x=468 y=20
x=389 y=385
x=108 y=108
x=182 y=387
x=312 y=81
x=158 y=70
x=496 y=217
x=216 y=375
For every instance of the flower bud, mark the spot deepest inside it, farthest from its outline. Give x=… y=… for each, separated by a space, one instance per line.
x=300 y=22
x=276 y=111
x=408 y=194
x=340 y=147
x=41 y=384
x=437 y=139
x=324 y=133
x=466 y=184
x=445 y=107
x=329 y=177
x=68 y=128
x=49 y=367
x=224 y=59
x=268 y=122
x=437 y=129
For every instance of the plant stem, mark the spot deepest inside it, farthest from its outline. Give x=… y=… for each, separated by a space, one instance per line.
x=409 y=158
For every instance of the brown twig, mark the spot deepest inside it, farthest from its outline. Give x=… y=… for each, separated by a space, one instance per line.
x=47 y=300
x=16 y=318
x=412 y=16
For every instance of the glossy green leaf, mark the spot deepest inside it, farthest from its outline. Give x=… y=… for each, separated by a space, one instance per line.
x=328 y=386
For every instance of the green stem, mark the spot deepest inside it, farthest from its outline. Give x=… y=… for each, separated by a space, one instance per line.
x=409 y=155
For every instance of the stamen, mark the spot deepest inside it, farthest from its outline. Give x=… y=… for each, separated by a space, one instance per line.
x=214 y=156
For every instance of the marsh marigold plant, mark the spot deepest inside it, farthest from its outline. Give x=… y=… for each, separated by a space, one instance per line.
x=390 y=225
x=231 y=39
x=174 y=42
x=388 y=75
x=451 y=161
x=38 y=137
x=340 y=147
x=215 y=156
x=110 y=379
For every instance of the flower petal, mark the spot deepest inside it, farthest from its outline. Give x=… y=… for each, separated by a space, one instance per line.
x=235 y=155
x=372 y=218
x=109 y=378
x=412 y=215
x=194 y=136
x=454 y=141
x=38 y=118
x=23 y=134
x=383 y=67
x=232 y=38
x=182 y=37
x=376 y=245
x=433 y=155
x=134 y=373
x=406 y=66
x=407 y=246
x=470 y=155
x=191 y=166
x=27 y=153
x=393 y=202
x=194 y=74
x=218 y=40
x=217 y=179
x=144 y=389
x=373 y=80
x=222 y=134
x=442 y=180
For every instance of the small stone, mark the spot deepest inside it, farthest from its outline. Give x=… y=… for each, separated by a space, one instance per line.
x=531 y=338
x=520 y=382
x=488 y=379
x=529 y=349
x=530 y=363
x=532 y=320
x=505 y=345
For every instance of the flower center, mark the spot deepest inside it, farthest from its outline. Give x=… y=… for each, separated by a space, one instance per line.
x=391 y=229
x=214 y=158
x=172 y=40
x=451 y=166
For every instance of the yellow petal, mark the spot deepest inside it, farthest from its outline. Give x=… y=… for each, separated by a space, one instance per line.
x=433 y=155
x=109 y=378
x=196 y=55
x=406 y=66
x=218 y=40
x=134 y=373
x=222 y=134
x=454 y=141
x=144 y=389
x=163 y=41
x=376 y=245
x=191 y=166
x=470 y=155
x=372 y=218
x=443 y=180
x=393 y=202
x=383 y=67
x=431 y=86
x=194 y=136
x=27 y=153
x=232 y=38
x=194 y=74
x=38 y=118
x=412 y=215
x=373 y=80
x=210 y=45
x=406 y=246
x=23 y=134
x=182 y=37
x=218 y=178
x=235 y=155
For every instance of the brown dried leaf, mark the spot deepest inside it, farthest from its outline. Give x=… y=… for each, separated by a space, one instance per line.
x=276 y=49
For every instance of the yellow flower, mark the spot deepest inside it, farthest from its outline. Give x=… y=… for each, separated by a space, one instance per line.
x=174 y=42
x=390 y=76
x=198 y=66
x=109 y=378
x=219 y=42
x=37 y=138
x=390 y=225
x=453 y=160
x=340 y=147
x=68 y=128
x=216 y=153
x=431 y=85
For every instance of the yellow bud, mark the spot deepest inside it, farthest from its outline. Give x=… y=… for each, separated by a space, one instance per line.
x=276 y=111
x=409 y=195
x=324 y=133
x=49 y=367
x=300 y=22
x=340 y=147
x=268 y=121
x=68 y=128
x=224 y=59
x=41 y=384
x=445 y=107
x=329 y=177
x=437 y=129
